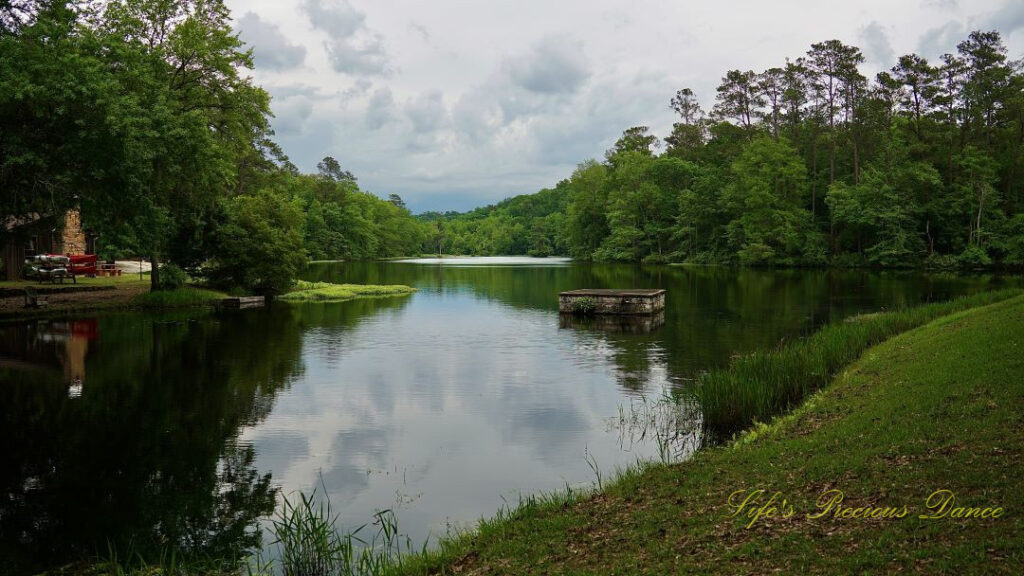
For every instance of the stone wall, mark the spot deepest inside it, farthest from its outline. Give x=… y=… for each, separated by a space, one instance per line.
x=608 y=303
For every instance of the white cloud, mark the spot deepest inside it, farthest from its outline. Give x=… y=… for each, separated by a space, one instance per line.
x=942 y=39
x=876 y=45
x=271 y=48
x=458 y=104
x=291 y=114
x=552 y=66
x=352 y=47
x=427 y=112
x=381 y=109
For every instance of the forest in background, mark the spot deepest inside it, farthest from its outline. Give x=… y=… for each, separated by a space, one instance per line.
x=138 y=113
x=806 y=164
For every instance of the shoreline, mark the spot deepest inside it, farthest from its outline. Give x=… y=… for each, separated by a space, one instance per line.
x=796 y=495
x=74 y=299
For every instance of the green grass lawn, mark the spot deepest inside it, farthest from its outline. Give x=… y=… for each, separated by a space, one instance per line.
x=937 y=408
x=114 y=281
x=181 y=298
x=325 y=292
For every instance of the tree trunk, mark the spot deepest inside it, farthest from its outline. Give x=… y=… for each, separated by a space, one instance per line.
x=814 y=178
x=856 y=162
x=832 y=154
x=154 y=273
x=977 y=227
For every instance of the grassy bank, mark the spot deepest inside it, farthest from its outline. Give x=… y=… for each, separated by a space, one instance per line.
x=326 y=292
x=186 y=297
x=937 y=408
x=126 y=292
x=759 y=386
x=98 y=294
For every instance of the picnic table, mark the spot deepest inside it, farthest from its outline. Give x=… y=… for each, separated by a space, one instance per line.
x=107 y=269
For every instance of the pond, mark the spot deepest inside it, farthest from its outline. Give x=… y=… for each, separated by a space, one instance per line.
x=136 y=429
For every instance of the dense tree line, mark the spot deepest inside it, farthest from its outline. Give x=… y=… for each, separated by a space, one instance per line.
x=532 y=224
x=137 y=113
x=809 y=163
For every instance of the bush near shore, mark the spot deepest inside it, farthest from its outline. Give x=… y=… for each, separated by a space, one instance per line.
x=761 y=385
x=326 y=292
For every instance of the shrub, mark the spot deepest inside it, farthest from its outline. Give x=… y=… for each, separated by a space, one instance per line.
x=941 y=262
x=974 y=257
x=259 y=247
x=849 y=260
x=656 y=259
x=584 y=306
x=171 y=277
x=758 y=386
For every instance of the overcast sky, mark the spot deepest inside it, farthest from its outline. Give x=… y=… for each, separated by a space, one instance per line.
x=454 y=104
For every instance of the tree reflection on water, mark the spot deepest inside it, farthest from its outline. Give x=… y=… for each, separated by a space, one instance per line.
x=142 y=457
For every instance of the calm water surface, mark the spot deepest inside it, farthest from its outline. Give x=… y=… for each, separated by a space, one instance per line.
x=441 y=406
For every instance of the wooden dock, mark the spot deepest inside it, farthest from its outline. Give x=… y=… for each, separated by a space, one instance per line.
x=602 y=301
x=244 y=302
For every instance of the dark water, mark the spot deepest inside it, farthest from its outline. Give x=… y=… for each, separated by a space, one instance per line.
x=145 y=431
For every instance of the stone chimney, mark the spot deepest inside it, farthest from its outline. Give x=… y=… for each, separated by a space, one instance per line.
x=73 y=237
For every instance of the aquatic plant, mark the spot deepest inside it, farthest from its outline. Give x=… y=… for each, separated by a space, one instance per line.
x=758 y=386
x=179 y=298
x=309 y=542
x=326 y=292
x=584 y=306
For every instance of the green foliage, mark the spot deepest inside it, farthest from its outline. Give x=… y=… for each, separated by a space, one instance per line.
x=941 y=262
x=973 y=257
x=757 y=387
x=178 y=298
x=326 y=292
x=807 y=164
x=309 y=542
x=858 y=430
x=770 y=225
x=584 y=306
x=812 y=165
x=259 y=246
x=1013 y=243
x=533 y=224
x=171 y=277
x=587 y=218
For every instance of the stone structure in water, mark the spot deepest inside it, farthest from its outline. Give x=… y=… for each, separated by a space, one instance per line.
x=602 y=301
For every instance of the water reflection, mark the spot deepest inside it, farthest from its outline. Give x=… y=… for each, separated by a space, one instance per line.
x=145 y=458
x=440 y=405
x=440 y=408
x=626 y=324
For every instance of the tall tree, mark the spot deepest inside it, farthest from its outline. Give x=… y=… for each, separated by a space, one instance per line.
x=636 y=139
x=738 y=97
x=771 y=85
x=766 y=196
x=587 y=219
x=833 y=67
x=687 y=136
x=206 y=116
x=920 y=84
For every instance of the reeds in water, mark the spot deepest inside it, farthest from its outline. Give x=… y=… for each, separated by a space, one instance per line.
x=759 y=386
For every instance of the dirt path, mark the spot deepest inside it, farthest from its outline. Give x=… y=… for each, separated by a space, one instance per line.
x=14 y=306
